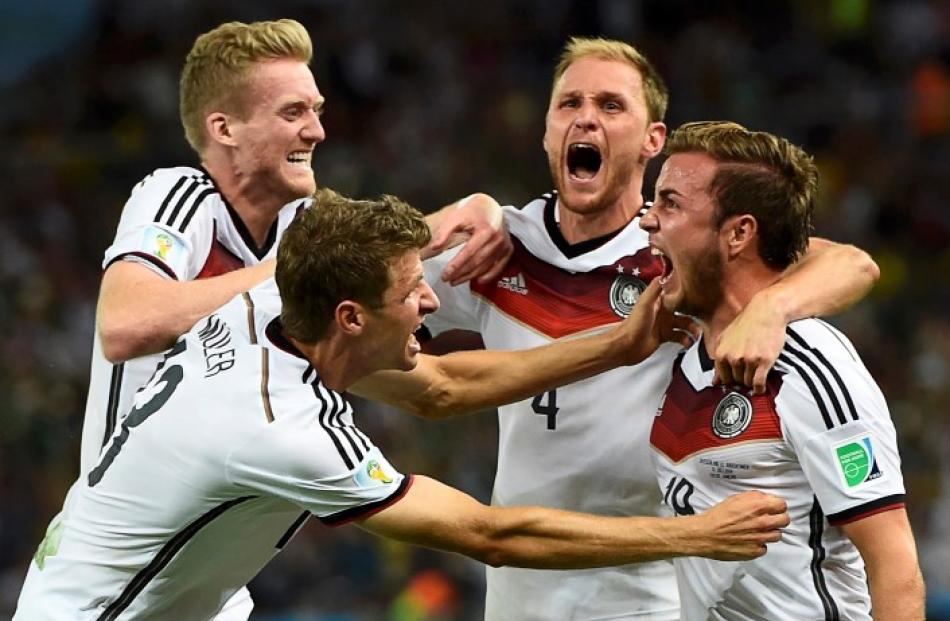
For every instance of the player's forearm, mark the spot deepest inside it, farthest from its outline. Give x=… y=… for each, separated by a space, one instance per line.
x=544 y=538
x=438 y=220
x=830 y=278
x=474 y=380
x=140 y=313
x=897 y=592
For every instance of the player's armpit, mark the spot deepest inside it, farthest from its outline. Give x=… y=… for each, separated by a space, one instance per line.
x=887 y=546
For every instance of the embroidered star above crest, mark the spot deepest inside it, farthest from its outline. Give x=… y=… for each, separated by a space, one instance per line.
x=620 y=269
x=636 y=271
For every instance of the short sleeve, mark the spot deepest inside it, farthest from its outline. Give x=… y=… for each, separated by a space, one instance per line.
x=457 y=306
x=303 y=467
x=162 y=225
x=839 y=426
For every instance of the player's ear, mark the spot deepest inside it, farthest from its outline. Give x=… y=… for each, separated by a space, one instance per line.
x=350 y=317
x=740 y=234
x=219 y=128
x=654 y=140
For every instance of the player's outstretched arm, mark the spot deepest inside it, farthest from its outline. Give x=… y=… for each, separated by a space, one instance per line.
x=437 y=516
x=887 y=546
x=477 y=220
x=140 y=313
x=827 y=280
x=465 y=381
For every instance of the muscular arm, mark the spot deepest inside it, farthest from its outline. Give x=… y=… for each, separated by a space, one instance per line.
x=139 y=312
x=437 y=516
x=827 y=280
x=887 y=545
x=464 y=381
x=478 y=221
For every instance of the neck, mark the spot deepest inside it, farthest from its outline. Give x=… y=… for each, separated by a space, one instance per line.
x=334 y=361
x=257 y=207
x=738 y=289
x=579 y=227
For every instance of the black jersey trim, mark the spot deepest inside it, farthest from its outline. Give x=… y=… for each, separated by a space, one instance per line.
x=568 y=249
x=817 y=527
x=340 y=407
x=706 y=363
x=877 y=505
x=245 y=234
x=168 y=197
x=822 y=378
x=170 y=222
x=194 y=208
x=163 y=558
x=834 y=373
x=112 y=409
x=325 y=418
x=364 y=511
x=148 y=258
x=825 y=415
x=296 y=526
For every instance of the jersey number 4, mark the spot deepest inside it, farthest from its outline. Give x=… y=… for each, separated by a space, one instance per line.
x=548 y=409
x=168 y=381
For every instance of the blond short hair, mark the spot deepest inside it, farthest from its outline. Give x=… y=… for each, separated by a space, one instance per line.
x=654 y=89
x=217 y=68
x=759 y=174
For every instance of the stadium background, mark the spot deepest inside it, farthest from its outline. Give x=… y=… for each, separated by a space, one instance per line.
x=432 y=101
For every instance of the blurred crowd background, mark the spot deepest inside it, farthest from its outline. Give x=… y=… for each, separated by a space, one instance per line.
x=432 y=101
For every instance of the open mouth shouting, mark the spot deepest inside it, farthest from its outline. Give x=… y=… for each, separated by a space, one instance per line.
x=667 y=266
x=583 y=161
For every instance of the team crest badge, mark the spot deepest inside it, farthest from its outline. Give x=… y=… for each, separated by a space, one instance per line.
x=732 y=416
x=624 y=293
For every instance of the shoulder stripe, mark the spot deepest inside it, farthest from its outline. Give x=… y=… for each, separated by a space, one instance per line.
x=326 y=412
x=194 y=185
x=831 y=369
x=822 y=378
x=194 y=207
x=817 y=527
x=168 y=198
x=831 y=329
x=811 y=387
x=164 y=556
x=341 y=407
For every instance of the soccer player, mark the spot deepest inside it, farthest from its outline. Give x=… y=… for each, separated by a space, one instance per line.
x=581 y=262
x=244 y=431
x=732 y=212
x=191 y=237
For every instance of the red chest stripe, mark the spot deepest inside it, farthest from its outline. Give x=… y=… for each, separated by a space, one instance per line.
x=556 y=302
x=220 y=261
x=684 y=426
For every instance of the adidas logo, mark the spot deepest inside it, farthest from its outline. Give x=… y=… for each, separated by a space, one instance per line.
x=514 y=284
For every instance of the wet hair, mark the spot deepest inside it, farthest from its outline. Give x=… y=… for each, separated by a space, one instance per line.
x=217 y=68
x=654 y=89
x=341 y=249
x=759 y=174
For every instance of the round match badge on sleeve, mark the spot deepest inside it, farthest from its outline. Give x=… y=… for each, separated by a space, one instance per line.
x=732 y=416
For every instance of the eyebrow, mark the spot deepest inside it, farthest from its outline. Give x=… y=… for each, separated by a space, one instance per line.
x=597 y=95
x=667 y=192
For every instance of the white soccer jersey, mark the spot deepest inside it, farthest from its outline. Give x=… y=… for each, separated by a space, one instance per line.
x=230 y=446
x=821 y=438
x=178 y=224
x=581 y=447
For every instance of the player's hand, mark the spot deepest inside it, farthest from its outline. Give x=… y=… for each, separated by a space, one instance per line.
x=739 y=527
x=647 y=326
x=749 y=346
x=479 y=222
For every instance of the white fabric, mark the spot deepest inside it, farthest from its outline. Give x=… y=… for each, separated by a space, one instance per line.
x=597 y=458
x=226 y=448
x=790 y=449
